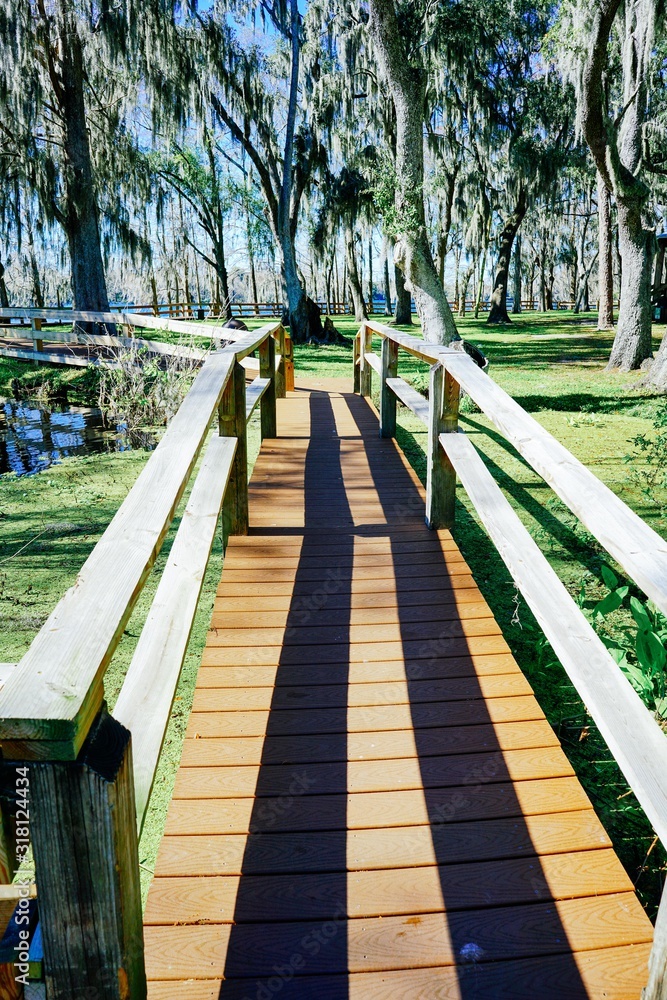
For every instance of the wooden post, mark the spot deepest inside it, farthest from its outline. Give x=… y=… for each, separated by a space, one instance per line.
x=232 y=423
x=357 y=357
x=365 y=344
x=38 y=343
x=84 y=836
x=389 y=358
x=289 y=363
x=444 y=394
x=267 y=404
x=280 y=370
x=656 y=989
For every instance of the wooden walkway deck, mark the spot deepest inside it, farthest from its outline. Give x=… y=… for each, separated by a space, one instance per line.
x=370 y=802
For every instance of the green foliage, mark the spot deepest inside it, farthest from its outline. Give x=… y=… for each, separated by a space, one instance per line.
x=641 y=649
x=651 y=451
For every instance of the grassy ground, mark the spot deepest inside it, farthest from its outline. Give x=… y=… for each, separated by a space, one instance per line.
x=554 y=366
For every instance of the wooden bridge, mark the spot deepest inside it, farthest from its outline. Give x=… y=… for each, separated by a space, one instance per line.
x=370 y=801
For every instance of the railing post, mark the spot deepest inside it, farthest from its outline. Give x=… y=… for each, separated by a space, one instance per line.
x=444 y=394
x=656 y=988
x=280 y=370
x=289 y=363
x=84 y=836
x=357 y=360
x=232 y=423
x=36 y=324
x=267 y=404
x=365 y=344
x=389 y=358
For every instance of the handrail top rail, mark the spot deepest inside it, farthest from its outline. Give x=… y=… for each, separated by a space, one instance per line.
x=123 y=318
x=635 y=546
x=55 y=692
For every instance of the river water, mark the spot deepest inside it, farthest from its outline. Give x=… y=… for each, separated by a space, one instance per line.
x=33 y=437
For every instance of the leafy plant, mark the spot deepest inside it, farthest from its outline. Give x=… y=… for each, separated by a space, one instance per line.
x=651 y=450
x=641 y=652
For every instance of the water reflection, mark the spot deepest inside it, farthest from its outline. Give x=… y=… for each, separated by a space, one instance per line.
x=33 y=438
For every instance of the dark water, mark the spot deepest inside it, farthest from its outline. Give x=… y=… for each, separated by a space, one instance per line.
x=33 y=437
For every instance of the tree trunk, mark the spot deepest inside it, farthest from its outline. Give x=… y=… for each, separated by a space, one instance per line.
x=605 y=267
x=516 y=290
x=657 y=374
x=387 y=285
x=446 y=223
x=403 y=299
x=370 y=275
x=632 y=343
x=480 y=282
x=617 y=151
x=353 y=282
x=4 y=298
x=498 y=310
x=465 y=281
x=81 y=223
x=412 y=253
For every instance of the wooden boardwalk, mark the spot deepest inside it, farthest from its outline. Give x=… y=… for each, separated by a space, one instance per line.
x=371 y=803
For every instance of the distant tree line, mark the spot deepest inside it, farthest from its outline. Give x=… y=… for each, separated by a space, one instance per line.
x=384 y=149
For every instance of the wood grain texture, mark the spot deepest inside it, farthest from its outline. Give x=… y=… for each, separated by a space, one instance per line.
x=368 y=782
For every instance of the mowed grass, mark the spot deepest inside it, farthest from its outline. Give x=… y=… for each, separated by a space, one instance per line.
x=553 y=364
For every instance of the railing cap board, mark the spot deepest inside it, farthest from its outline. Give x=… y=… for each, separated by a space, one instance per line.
x=630 y=541
x=146 y=698
x=635 y=739
x=56 y=690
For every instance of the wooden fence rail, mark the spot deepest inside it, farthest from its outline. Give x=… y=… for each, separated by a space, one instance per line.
x=633 y=735
x=89 y=782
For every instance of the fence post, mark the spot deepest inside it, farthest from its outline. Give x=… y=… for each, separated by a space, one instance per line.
x=389 y=358
x=289 y=363
x=232 y=423
x=357 y=362
x=444 y=394
x=267 y=404
x=365 y=344
x=37 y=342
x=280 y=370
x=656 y=989
x=84 y=836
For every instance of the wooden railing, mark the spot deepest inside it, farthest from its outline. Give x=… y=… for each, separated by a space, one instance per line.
x=191 y=310
x=89 y=773
x=632 y=734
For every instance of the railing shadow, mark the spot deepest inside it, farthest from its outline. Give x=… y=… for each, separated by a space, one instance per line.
x=291 y=906
x=498 y=906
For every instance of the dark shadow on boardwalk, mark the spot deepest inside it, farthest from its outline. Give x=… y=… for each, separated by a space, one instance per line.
x=498 y=905
x=289 y=920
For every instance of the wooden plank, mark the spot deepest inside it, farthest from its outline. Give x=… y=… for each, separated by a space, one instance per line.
x=372 y=718
x=232 y=423
x=366 y=651
x=342 y=616
x=387 y=892
x=388 y=369
x=254 y=393
x=387 y=943
x=374 y=361
x=369 y=850
x=410 y=692
x=320 y=635
x=375 y=776
x=56 y=690
x=629 y=729
x=375 y=810
x=609 y=973
x=367 y=746
x=410 y=398
x=355 y=673
x=146 y=697
x=360 y=593
x=630 y=541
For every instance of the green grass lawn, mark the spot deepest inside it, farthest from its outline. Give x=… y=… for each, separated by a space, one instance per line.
x=553 y=364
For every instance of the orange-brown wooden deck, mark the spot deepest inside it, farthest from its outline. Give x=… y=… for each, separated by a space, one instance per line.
x=370 y=802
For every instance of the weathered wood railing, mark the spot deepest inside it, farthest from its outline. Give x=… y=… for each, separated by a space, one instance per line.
x=632 y=734
x=129 y=322
x=90 y=773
